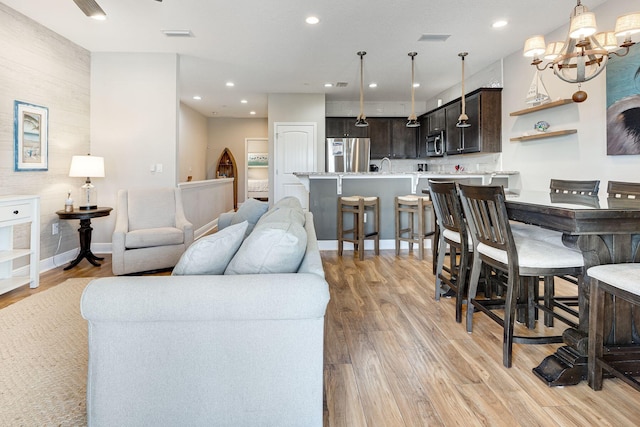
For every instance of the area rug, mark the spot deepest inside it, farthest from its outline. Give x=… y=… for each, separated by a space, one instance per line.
x=43 y=359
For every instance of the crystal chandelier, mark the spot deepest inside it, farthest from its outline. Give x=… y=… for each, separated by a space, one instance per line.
x=584 y=54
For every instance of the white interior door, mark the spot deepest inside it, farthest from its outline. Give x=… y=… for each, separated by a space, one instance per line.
x=294 y=151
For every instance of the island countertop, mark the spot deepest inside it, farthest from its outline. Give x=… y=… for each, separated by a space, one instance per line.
x=485 y=177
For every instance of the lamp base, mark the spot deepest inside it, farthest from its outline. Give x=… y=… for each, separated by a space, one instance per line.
x=87 y=208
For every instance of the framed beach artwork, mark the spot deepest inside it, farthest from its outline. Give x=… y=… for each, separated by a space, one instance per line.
x=623 y=103
x=30 y=132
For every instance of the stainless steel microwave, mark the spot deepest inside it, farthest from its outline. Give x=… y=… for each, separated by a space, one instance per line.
x=435 y=144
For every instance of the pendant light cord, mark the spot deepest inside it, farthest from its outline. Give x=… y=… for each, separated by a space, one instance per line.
x=362 y=54
x=462 y=55
x=413 y=89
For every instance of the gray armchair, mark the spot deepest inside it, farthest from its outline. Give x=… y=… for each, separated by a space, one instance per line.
x=151 y=231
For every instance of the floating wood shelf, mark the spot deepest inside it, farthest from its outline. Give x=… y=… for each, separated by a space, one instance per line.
x=542 y=107
x=542 y=135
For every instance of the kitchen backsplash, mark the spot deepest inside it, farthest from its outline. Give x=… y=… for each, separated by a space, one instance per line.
x=467 y=163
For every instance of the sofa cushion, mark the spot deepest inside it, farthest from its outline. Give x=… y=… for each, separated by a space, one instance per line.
x=211 y=254
x=149 y=237
x=274 y=247
x=251 y=211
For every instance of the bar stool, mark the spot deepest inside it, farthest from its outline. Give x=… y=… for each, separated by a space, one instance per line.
x=622 y=360
x=359 y=206
x=414 y=206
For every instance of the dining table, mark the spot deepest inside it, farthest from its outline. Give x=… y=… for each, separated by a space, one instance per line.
x=605 y=230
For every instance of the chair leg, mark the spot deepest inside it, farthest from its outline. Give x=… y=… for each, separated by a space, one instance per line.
x=473 y=288
x=509 y=318
x=397 y=217
x=596 y=336
x=361 y=229
x=340 y=229
x=461 y=282
x=549 y=292
x=440 y=264
x=421 y=231
x=376 y=241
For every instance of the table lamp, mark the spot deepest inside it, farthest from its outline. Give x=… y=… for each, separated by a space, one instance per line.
x=87 y=166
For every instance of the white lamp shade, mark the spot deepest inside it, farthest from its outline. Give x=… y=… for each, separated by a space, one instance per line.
x=87 y=167
x=554 y=49
x=607 y=40
x=583 y=25
x=627 y=25
x=534 y=46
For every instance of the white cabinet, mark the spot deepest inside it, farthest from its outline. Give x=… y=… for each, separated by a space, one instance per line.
x=257 y=168
x=15 y=210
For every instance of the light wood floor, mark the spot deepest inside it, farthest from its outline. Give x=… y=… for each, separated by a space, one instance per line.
x=396 y=357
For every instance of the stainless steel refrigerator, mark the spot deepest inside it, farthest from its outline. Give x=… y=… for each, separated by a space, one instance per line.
x=347 y=154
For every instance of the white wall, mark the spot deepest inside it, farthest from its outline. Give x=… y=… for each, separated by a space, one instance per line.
x=134 y=124
x=192 y=145
x=577 y=156
x=40 y=67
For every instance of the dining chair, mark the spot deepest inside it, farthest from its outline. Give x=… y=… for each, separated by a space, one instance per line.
x=622 y=282
x=574 y=187
x=523 y=260
x=623 y=190
x=453 y=232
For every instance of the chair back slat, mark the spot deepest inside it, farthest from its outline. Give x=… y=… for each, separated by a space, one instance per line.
x=574 y=187
x=487 y=216
x=447 y=204
x=623 y=190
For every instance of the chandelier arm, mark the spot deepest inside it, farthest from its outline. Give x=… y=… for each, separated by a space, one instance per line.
x=626 y=51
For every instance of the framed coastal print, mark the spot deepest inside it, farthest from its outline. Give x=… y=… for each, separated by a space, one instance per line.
x=30 y=132
x=623 y=103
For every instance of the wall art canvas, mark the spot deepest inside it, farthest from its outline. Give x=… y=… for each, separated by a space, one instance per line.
x=30 y=129
x=623 y=103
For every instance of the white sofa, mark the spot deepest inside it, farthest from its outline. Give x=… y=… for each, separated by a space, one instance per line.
x=208 y=350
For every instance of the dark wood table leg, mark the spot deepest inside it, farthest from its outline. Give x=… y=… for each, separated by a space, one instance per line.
x=85 y=245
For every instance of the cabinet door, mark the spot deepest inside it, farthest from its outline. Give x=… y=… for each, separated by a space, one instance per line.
x=380 y=134
x=421 y=144
x=334 y=127
x=353 y=131
x=471 y=135
x=453 y=134
x=437 y=120
x=403 y=139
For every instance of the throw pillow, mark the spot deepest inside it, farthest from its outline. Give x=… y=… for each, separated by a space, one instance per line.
x=211 y=254
x=251 y=211
x=271 y=248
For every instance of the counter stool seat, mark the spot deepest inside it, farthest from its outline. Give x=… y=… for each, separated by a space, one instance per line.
x=416 y=230
x=622 y=360
x=359 y=206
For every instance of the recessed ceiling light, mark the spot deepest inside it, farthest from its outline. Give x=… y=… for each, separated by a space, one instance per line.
x=197 y=97
x=229 y=84
x=177 y=33
x=373 y=85
x=243 y=101
x=416 y=85
x=499 y=24
x=312 y=20
x=253 y=113
x=328 y=85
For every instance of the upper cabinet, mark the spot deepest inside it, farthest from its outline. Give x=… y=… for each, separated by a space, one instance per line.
x=339 y=127
x=484 y=108
x=390 y=137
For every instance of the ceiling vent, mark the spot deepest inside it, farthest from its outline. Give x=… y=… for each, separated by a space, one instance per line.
x=434 y=37
x=341 y=84
x=177 y=33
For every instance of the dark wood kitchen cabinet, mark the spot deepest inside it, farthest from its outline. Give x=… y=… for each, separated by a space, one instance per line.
x=484 y=109
x=436 y=121
x=390 y=137
x=380 y=134
x=338 y=127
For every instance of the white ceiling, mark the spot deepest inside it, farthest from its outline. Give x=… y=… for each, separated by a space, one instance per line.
x=264 y=46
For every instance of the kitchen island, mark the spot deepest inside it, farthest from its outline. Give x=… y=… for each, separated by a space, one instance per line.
x=325 y=187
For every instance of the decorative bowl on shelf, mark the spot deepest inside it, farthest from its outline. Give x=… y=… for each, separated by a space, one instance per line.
x=541 y=126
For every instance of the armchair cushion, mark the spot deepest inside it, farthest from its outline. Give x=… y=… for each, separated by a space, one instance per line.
x=145 y=238
x=211 y=254
x=151 y=209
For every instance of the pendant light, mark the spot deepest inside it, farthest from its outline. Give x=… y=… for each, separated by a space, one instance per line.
x=360 y=121
x=413 y=120
x=463 y=119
